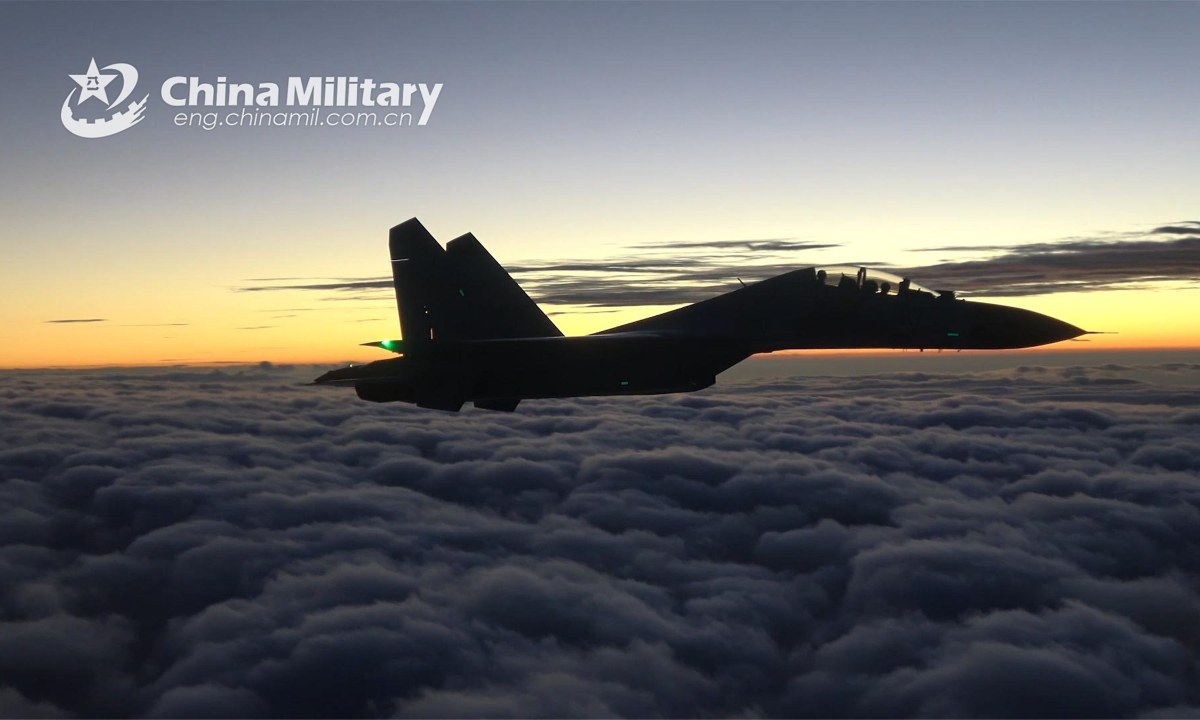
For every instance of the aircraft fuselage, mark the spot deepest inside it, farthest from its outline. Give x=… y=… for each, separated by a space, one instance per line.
x=684 y=349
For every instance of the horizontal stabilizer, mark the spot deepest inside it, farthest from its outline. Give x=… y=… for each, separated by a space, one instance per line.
x=502 y=405
x=396 y=346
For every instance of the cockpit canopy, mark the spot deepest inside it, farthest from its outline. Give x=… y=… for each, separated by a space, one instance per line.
x=868 y=280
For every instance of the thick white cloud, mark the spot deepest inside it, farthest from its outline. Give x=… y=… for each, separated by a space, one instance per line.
x=231 y=543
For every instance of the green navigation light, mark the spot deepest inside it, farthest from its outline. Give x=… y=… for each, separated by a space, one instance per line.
x=388 y=344
x=461 y=293
x=624 y=382
x=951 y=334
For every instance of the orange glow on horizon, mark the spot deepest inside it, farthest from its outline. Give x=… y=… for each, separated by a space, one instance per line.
x=212 y=325
x=333 y=343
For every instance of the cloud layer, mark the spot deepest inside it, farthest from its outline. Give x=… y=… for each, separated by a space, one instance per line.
x=675 y=273
x=230 y=543
x=1126 y=261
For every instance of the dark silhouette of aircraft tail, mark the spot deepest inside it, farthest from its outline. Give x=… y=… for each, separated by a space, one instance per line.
x=457 y=293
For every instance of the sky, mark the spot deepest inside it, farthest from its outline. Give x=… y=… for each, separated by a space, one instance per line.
x=188 y=529
x=1045 y=141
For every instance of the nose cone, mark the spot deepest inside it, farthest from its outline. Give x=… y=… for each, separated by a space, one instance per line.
x=1000 y=327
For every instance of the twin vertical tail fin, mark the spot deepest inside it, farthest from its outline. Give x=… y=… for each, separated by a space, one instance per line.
x=418 y=266
x=457 y=293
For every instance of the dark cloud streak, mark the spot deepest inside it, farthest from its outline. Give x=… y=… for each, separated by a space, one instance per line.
x=1077 y=265
x=771 y=245
x=1191 y=227
x=677 y=273
x=76 y=320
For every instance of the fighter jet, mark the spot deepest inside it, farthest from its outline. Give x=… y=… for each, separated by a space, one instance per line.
x=471 y=334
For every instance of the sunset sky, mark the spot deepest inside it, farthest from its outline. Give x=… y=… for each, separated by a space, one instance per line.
x=192 y=526
x=980 y=146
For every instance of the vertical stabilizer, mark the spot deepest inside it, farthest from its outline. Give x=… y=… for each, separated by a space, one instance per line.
x=496 y=305
x=419 y=274
x=457 y=293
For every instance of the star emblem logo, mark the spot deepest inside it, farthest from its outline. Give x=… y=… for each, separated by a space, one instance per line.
x=93 y=83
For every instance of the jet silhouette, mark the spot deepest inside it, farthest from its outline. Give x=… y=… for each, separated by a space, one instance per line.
x=470 y=333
